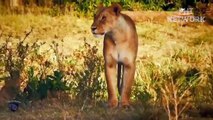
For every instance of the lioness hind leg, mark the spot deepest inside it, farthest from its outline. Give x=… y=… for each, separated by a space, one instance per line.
x=110 y=72
x=128 y=78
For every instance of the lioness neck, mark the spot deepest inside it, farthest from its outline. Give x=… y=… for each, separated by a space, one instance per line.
x=124 y=29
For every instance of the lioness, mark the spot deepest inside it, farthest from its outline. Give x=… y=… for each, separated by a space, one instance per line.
x=120 y=50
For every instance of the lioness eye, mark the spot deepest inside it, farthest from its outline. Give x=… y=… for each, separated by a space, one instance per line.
x=103 y=18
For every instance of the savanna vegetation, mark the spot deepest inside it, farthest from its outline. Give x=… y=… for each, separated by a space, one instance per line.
x=51 y=63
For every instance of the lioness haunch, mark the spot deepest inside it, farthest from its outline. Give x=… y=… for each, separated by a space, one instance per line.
x=120 y=51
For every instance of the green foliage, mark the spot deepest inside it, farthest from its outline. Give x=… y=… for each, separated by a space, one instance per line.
x=85 y=7
x=55 y=11
x=90 y=6
x=32 y=85
x=56 y=82
x=38 y=88
x=143 y=90
x=153 y=4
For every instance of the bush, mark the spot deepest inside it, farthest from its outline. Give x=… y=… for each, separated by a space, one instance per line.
x=88 y=78
x=41 y=74
x=85 y=7
x=178 y=83
x=38 y=88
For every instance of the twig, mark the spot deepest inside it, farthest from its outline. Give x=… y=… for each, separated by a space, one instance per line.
x=27 y=34
x=82 y=108
x=184 y=107
x=9 y=36
x=168 y=107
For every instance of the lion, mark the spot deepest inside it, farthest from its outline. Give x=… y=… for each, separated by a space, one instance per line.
x=119 y=51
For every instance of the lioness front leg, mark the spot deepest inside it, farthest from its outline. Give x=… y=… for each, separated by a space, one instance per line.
x=110 y=72
x=120 y=46
x=129 y=71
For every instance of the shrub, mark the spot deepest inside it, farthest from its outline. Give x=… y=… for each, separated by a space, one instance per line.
x=88 y=78
x=38 y=88
x=178 y=82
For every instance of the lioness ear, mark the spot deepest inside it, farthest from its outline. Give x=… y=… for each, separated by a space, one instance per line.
x=100 y=6
x=116 y=8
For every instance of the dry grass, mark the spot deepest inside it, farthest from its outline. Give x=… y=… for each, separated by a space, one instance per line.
x=73 y=30
x=158 y=43
x=46 y=28
x=55 y=109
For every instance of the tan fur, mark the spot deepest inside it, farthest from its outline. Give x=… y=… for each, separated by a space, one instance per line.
x=11 y=87
x=120 y=46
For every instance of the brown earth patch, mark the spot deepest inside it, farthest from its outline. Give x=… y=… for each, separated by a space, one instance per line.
x=144 y=16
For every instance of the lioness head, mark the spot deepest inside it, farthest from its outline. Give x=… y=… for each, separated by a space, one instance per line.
x=105 y=19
